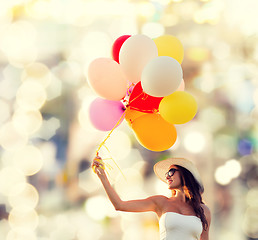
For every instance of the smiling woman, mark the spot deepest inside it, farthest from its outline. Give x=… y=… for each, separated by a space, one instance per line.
x=182 y=216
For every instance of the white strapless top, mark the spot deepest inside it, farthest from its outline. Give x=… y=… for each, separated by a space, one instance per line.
x=176 y=226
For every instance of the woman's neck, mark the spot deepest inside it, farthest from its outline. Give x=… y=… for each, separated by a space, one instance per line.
x=178 y=194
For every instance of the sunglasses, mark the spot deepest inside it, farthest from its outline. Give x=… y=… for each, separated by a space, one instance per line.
x=171 y=172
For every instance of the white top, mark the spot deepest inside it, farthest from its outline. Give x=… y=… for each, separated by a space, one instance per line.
x=176 y=226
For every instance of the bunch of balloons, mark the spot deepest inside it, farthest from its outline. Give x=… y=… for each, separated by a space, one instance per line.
x=143 y=83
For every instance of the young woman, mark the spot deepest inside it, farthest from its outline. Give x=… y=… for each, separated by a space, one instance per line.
x=183 y=216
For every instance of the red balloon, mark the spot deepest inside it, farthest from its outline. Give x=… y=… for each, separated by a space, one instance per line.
x=117 y=46
x=143 y=102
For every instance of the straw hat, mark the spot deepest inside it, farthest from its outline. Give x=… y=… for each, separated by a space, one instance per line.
x=161 y=167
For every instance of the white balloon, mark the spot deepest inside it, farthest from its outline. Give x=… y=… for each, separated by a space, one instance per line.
x=161 y=76
x=134 y=54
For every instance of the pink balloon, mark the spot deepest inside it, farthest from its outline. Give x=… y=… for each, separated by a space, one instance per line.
x=104 y=114
x=107 y=78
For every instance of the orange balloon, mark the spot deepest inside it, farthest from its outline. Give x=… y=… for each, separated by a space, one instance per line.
x=154 y=133
x=131 y=115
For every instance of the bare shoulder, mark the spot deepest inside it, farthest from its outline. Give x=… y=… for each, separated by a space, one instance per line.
x=159 y=199
x=207 y=212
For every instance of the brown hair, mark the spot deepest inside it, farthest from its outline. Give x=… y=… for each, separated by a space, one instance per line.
x=193 y=191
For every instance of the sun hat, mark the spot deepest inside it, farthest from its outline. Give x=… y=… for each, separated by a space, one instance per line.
x=161 y=167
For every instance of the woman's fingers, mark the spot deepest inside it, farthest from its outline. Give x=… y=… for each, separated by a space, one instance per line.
x=97 y=165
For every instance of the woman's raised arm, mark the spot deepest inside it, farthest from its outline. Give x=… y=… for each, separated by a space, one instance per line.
x=141 y=205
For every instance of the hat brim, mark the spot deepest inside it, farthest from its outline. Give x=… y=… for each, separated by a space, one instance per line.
x=161 y=167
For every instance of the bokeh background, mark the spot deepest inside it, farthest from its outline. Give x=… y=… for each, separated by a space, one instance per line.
x=47 y=188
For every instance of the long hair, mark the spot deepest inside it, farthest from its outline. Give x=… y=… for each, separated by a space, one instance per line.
x=193 y=192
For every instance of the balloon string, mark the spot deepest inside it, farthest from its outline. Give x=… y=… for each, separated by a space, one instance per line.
x=103 y=142
x=115 y=162
x=138 y=109
x=145 y=111
x=118 y=122
x=135 y=97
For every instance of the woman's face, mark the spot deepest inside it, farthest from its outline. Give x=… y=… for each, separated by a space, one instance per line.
x=173 y=177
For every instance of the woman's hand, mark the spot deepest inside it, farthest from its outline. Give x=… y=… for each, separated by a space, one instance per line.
x=98 y=166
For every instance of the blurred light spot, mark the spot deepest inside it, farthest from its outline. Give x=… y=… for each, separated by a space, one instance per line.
x=28 y=159
x=11 y=180
x=131 y=228
x=64 y=229
x=19 y=49
x=48 y=151
x=198 y=54
x=153 y=29
x=54 y=89
x=255 y=97
x=236 y=19
x=21 y=234
x=27 y=122
x=213 y=118
x=103 y=8
x=94 y=232
x=94 y=45
x=228 y=234
x=161 y=187
x=23 y=218
x=244 y=101
x=133 y=181
x=225 y=173
x=37 y=72
x=221 y=51
x=222 y=175
x=5 y=111
x=118 y=144
x=245 y=147
x=49 y=128
x=164 y=2
x=88 y=181
x=145 y=9
x=70 y=72
x=169 y=20
x=225 y=145
x=240 y=91
x=83 y=115
x=11 y=138
x=31 y=95
x=26 y=197
x=38 y=9
x=251 y=197
x=6 y=15
x=103 y=209
x=75 y=12
x=207 y=82
x=16 y=35
x=234 y=167
x=194 y=142
x=250 y=222
x=209 y=13
x=8 y=87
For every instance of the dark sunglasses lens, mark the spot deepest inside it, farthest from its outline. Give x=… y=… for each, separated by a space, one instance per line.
x=171 y=172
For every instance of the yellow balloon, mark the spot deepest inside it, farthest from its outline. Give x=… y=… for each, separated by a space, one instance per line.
x=169 y=45
x=131 y=115
x=154 y=133
x=178 y=108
